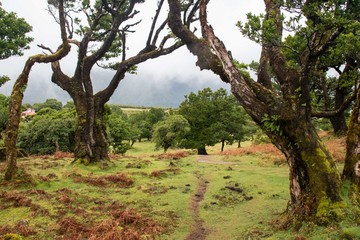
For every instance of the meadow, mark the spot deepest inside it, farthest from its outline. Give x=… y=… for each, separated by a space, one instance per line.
x=146 y=194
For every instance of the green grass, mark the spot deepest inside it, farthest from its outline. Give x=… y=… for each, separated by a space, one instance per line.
x=160 y=194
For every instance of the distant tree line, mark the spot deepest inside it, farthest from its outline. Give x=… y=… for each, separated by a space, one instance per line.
x=203 y=119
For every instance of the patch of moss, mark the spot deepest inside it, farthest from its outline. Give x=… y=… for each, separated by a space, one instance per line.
x=328 y=212
x=351 y=233
x=12 y=236
x=83 y=161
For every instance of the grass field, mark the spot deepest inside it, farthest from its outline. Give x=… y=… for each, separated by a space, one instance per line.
x=150 y=195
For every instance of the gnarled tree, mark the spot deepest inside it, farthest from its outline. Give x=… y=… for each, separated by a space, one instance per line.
x=103 y=37
x=18 y=94
x=283 y=112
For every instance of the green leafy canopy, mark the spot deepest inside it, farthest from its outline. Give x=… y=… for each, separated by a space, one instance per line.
x=13 y=39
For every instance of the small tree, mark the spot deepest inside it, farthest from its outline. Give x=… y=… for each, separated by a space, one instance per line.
x=213 y=117
x=199 y=110
x=118 y=133
x=170 y=132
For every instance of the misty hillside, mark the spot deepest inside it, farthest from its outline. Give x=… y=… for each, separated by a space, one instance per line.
x=134 y=91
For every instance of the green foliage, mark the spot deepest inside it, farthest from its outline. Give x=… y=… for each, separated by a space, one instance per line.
x=118 y=132
x=260 y=137
x=170 y=132
x=259 y=29
x=3 y=80
x=272 y=124
x=252 y=28
x=213 y=117
x=70 y=105
x=4 y=115
x=143 y=122
x=116 y=109
x=49 y=103
x=48 y=131
x=322 y=124
x=13 y=39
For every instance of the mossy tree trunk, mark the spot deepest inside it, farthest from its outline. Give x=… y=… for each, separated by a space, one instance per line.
x=315 y=182
x=18 y=94
x=286 y=117
x=12 y=127
x=351 y=170
x=90 y=134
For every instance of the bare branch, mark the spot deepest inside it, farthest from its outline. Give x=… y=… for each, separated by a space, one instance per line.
x=191 y=15
x=158 y=10
x=123 y=40
x=343 y=107
x=75 y=42
x=45 y=48
x=158 y=31
x=124 y=66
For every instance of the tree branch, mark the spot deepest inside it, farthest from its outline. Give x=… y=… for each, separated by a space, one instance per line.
x=328 y=114
x=104 y=95
x=18 y=94
x=158 y=10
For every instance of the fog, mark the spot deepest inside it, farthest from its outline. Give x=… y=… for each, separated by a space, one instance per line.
x=159 y=82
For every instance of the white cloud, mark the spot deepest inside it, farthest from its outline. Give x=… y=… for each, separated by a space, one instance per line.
x=223 y=15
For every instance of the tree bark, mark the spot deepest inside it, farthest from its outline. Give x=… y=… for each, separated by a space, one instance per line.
x=202 y=151
x=90 y=135
x=314 y=179
x=338 y=121
x=339 y=125
x=222 y=145
x=351 y=172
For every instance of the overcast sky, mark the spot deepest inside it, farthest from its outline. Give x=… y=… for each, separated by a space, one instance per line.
x=156 y=79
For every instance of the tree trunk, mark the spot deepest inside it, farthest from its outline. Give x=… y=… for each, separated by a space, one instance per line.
x=351 y=170
x=202 y=151
x=315 y=183
x=12 y=126
x=338 y=121
x=90 y=135
x=339 y=125
x=239 y=144
x=222 y=145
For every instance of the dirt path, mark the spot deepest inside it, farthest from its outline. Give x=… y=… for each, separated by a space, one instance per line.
x=198 y=231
